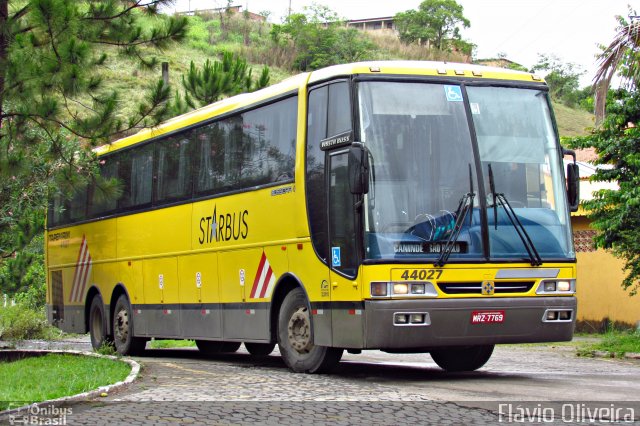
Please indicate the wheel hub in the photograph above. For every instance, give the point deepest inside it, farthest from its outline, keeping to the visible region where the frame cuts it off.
(299, 331)
(122, 326)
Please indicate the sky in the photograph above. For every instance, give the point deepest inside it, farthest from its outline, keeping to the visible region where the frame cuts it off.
(568, 29)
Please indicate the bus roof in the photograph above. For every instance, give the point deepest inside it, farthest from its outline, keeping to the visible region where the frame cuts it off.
(442, 69)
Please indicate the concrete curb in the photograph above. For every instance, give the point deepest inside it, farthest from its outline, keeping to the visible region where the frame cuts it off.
(607, 354)
(135, 370)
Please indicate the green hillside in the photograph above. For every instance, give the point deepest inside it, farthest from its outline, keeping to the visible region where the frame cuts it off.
(572, 122)
(207, 39)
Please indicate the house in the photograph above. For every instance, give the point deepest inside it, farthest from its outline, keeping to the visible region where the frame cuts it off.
(373, 24)
(231, 9)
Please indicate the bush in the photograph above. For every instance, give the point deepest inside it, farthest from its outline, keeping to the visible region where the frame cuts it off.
(20, 322)
(22, 277)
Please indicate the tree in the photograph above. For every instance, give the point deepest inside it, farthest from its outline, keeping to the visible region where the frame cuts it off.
(54, 106)
(615, 213)
(622, 55)
(563, 78)
(216, 79)
(436, 22)
(319, 39)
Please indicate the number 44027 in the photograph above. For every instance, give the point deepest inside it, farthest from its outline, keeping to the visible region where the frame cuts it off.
(422, 274)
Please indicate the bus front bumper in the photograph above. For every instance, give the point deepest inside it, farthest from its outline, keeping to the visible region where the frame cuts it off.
(472, 321)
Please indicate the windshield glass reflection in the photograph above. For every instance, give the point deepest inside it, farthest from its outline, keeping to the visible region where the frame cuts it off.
(422, 167)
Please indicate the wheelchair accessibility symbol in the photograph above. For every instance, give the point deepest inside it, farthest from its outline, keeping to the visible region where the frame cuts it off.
(454, 93)
(335, 256)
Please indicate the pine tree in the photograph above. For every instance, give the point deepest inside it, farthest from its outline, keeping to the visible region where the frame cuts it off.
(53, 105)
(216, 79)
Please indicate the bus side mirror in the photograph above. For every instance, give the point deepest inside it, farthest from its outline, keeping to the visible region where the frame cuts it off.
(573, 181)
(358, 168)
(573, 186)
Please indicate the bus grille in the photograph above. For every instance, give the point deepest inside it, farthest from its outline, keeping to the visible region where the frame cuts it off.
(476, 287)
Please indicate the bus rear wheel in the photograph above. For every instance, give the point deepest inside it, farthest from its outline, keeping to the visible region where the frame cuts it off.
(462, 358)
(210, 347)
(259, 349)
(125, 342)
(98, 324)
(295, 338)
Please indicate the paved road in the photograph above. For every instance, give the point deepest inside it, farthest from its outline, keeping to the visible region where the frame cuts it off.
(373, 387)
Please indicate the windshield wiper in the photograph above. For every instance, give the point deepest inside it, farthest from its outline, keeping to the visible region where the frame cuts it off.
(465, 205)
(499, 198)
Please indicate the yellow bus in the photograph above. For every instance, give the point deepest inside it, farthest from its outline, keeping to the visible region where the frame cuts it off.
(400, 206)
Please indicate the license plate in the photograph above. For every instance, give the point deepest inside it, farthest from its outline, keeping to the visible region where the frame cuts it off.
(487, 317)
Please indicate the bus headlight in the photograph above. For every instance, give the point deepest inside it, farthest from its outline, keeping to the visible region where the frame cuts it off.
(379, 289)
(386, 289)
(417, 288)
(563, 285)
(557, 287)
(400, 288)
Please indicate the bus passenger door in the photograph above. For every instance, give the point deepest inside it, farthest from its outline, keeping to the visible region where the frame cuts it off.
(346, 300)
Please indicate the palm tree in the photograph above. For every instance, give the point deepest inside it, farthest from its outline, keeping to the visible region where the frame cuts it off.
(621, 55)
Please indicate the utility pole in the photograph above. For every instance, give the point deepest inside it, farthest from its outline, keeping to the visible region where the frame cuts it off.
(289, 14)
(165, 73)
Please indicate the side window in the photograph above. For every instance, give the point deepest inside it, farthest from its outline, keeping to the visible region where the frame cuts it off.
(173, 170)
(339, 112)
(78, 204)
(269, 143)
(135, 172)
(56, 210)
(233, 153)
(255, 148)
(210, 143)
(101, 198)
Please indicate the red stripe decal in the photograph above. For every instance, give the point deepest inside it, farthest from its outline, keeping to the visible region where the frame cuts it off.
(265, 286)
(75, 275)
(263, 259)
(82, 270)
(85, 278)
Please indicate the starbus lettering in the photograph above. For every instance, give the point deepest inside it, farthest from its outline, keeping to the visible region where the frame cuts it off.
(224, 227)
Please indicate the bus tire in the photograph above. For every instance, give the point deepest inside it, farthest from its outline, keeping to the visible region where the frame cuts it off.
(98, 324)
(462, 358)
(295, 338)
(123, 329)
(213, 347)
(259, 349)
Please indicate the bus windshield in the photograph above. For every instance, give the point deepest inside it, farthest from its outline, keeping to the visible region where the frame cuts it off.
(423, 178)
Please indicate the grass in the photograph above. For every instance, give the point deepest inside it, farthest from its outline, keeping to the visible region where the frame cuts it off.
(614, 341)
(164, 344)
(572, 122)
(55, 375)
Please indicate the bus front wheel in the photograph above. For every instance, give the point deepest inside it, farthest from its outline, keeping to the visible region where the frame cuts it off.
(98, 324)
(125, 342)
(295, 338)
(462, 358)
